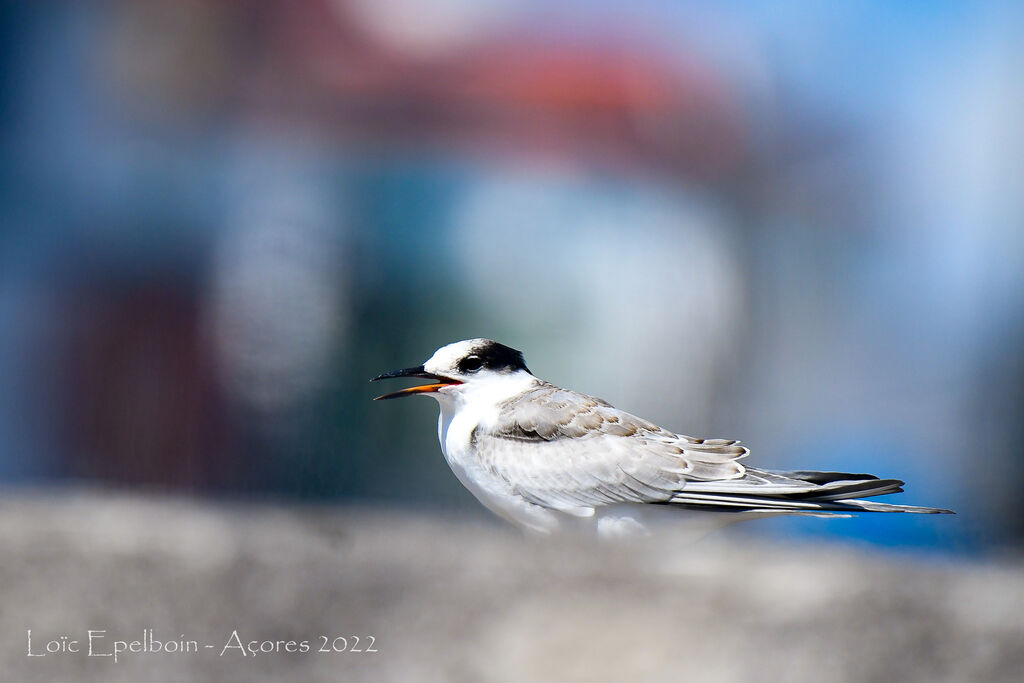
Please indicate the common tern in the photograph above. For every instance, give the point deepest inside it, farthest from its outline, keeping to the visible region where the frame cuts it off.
(547, 458)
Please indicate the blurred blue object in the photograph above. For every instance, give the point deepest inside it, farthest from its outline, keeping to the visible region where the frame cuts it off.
(796, 225)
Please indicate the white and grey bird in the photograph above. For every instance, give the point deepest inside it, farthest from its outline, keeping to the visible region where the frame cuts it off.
(547, 458)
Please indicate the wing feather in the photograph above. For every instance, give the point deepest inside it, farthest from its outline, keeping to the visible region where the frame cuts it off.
(571, 452)
(566, 450)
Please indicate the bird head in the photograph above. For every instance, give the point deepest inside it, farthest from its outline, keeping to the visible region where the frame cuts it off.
(459, 366)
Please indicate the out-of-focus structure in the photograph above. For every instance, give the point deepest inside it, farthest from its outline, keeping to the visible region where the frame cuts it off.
(798, 226)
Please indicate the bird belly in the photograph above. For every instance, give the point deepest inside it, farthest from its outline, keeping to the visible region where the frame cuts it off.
(492, 491)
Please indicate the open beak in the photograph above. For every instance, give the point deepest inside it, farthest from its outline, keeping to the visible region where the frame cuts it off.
(439, 382)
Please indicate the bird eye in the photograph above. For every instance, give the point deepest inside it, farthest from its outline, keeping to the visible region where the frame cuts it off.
(471, 364)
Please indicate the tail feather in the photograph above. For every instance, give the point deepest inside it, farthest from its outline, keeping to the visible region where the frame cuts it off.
(875, 506)
(815, 477)
(799, 492)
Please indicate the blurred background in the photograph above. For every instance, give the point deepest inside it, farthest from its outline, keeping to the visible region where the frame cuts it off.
(796, 224)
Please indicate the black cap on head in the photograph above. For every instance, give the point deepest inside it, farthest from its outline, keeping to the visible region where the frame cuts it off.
(493, 356)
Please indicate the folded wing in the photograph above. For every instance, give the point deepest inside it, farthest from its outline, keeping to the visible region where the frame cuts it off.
(571, 452)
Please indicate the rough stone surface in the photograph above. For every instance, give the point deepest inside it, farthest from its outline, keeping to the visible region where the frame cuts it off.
(451, 600)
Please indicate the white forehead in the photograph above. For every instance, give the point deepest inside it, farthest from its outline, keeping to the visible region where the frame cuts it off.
(446, 357)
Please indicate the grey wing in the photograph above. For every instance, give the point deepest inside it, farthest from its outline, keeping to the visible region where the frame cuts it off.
(572, 452)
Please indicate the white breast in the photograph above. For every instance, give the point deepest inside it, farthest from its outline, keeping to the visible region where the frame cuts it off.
(458, 419)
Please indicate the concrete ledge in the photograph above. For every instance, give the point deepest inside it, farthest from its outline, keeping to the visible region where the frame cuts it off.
(452, 600)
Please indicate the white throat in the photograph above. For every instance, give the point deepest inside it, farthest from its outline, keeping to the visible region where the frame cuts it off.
(475, 403)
